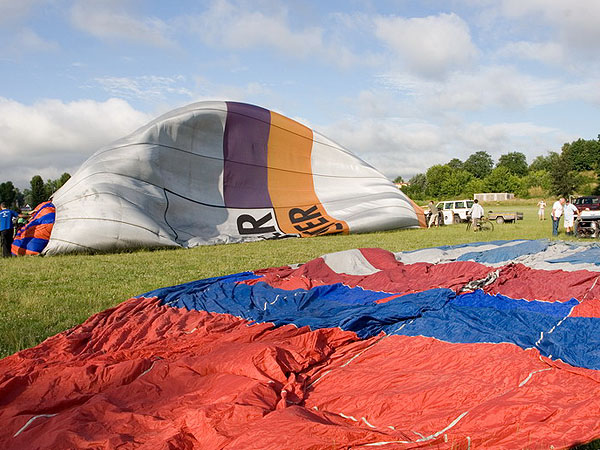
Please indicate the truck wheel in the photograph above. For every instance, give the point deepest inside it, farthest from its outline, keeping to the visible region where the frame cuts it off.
(457, 218)
(500, 219)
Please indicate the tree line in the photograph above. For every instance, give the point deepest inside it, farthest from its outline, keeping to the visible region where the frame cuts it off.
(575, 170)
(38, 192)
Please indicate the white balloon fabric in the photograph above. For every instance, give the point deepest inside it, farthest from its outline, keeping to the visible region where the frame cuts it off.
(221, 172)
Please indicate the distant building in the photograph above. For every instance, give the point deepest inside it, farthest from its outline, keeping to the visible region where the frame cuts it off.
(401, 185)
(494, 196)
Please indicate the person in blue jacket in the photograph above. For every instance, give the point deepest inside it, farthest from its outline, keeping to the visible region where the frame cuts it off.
(6, 228)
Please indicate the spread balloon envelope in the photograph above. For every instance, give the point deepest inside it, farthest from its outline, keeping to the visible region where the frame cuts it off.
(221, 172)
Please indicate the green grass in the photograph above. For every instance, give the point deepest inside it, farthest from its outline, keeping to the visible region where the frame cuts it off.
(42, 296)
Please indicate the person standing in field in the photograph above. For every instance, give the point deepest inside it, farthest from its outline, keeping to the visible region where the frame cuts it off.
(476, 213)
(570, 211)
(542, 209)
(557, 211)
(433, 218)
(6, 228)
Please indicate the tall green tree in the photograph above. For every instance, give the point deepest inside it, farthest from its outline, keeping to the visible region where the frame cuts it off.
(8, 193)
(27, 197)
(436, 176)
(51, 186)
(63, 179)
(582, 154)
(416, 187)
(543, 162)
(38, 191)
(455, 184)
(539, 178)
(564, 179)
(474, 186)
(501, 180)
(20, 199)
(515, 162)
(480, 164)
(456, 164)
(399, 179)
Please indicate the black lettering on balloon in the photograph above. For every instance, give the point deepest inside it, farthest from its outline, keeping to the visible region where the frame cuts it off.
(311, 222)
(310, 225)
(247, 224)
(325, 230)
(301, 215)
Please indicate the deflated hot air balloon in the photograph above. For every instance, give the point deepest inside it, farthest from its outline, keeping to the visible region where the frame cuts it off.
(33, 237)
(220, 172)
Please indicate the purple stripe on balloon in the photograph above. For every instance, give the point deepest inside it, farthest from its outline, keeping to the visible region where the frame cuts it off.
(245, 142)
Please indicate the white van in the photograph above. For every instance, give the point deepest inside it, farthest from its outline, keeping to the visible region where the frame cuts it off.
(455, 211)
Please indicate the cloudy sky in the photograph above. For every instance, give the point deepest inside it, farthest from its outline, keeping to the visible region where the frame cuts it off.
(403, 84)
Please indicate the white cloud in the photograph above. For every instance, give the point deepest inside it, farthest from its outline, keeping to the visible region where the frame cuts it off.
(407, 147)
(372, 104)
(51, 137)
(252, 91)
(28, 41)
(504, 137)
(228, 25)
(490, 87)
(576, 21)
(235, 25)
(393, 146)
(148, 87)
(429, 46)
(108, 20)
(13, 10)
(546, 52)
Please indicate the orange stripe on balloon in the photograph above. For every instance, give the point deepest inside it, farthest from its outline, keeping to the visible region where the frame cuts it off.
(420, 214)
(291, 187)
(41, 231)
(22, 251)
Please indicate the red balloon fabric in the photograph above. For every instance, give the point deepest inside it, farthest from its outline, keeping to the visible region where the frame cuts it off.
(421, 360)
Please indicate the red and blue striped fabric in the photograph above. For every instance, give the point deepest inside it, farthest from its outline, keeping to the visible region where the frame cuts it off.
(470, 346)
(33, 237)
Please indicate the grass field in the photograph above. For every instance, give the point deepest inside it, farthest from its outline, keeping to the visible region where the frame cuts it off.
(41, 296)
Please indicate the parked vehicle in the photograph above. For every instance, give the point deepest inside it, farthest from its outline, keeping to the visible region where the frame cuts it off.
(588, 224)
(502, 217)
(452, 211)
(587, 203)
